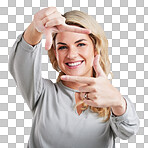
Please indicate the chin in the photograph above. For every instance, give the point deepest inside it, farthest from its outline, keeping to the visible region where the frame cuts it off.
(74, 74)
(80, 72)
(77, 74)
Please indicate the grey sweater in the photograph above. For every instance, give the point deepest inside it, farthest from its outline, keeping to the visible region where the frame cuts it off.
(55, 124)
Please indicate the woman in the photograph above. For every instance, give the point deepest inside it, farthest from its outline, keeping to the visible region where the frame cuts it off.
(78, 49)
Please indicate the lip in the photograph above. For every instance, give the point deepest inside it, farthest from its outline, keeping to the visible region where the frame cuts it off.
(74, 61)
(74, 67)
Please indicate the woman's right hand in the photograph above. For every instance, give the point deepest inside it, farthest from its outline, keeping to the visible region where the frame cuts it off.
(49, 20)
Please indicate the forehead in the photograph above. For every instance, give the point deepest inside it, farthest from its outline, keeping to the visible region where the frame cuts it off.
(70, 37)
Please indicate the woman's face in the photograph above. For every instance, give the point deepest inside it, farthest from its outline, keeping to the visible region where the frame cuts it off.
(74, 53)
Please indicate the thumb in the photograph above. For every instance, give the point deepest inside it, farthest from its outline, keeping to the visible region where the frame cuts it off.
(48, 35)
(97, 67)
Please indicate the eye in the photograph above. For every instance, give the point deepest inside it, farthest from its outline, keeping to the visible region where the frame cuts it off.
(81, 44)
(62, 47)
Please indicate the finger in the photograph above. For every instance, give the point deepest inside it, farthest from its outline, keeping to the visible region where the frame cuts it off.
(51, 16)
(55, 22)
(76, 29)
(79, 79)
(90, 103)
(48, 35)
(92, 95)
(86, 88)
(45, 12)
(97, 67)
(82, 95)
(39, 26)
(39, 17)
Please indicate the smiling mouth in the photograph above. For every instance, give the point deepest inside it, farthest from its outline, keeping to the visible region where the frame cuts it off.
(74, 64)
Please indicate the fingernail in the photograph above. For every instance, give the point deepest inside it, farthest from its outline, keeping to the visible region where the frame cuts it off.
(63, 77)
(98, 57)
(90, 32)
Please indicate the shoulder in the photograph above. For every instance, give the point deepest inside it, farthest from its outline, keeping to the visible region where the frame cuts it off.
(50, 85)
(47, 83)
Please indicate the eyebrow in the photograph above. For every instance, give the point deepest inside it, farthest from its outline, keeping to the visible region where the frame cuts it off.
(74, 42)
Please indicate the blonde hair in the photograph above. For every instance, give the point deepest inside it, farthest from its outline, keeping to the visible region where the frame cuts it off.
(100, 43)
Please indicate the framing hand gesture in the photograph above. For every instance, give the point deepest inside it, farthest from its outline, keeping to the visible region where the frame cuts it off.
(100, 92)
(49, 20)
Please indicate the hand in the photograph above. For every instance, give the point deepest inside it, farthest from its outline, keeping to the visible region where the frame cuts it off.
(100, 91)
(49, 20)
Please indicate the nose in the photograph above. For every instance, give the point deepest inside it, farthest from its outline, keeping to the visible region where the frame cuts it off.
(72, 53)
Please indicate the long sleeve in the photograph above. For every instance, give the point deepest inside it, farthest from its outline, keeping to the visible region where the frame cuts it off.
(126, 125)
(25, 67)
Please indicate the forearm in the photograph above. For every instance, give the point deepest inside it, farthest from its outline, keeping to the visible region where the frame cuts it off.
(127, 124)
(121, 108)
(25, 67)
(32, 36)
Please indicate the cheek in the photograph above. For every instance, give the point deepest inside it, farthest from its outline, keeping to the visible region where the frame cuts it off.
(90, 50)
(90, 58)
(89, 53)
(59, 57)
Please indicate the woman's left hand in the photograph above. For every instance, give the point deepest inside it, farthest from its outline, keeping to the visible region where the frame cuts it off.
(100, 92)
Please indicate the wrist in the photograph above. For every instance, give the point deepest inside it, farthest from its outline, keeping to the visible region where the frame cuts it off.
(120, 108)
(31, 35)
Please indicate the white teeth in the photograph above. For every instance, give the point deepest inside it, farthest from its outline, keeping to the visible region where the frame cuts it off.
(74, 64)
